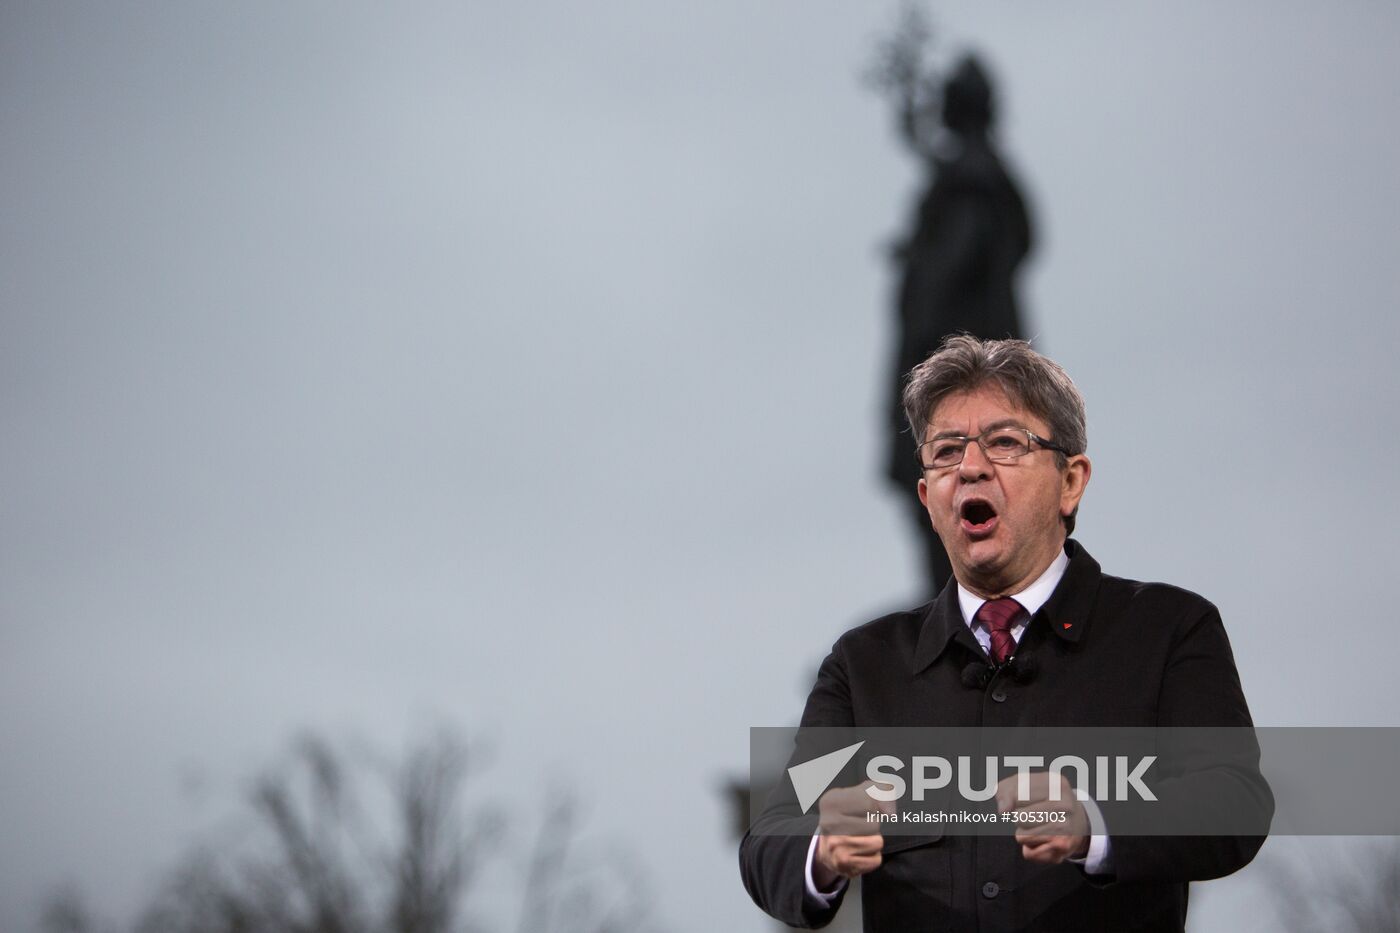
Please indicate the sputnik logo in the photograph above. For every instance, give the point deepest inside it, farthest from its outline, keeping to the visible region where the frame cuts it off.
(811, 778)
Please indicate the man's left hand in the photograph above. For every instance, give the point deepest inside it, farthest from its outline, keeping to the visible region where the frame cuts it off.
(1062, 829)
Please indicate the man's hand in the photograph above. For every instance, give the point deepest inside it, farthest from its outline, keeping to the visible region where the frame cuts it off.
(847, 847)
(1049, 839)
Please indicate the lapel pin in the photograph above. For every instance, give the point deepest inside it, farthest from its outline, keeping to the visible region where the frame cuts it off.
(1066, 624)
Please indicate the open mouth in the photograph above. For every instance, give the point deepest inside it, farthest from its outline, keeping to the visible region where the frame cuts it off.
(977, 516)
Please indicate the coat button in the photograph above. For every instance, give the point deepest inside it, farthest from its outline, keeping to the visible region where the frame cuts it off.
(999, 695)
(991, 889)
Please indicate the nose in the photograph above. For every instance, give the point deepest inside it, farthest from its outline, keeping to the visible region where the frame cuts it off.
(975, 464)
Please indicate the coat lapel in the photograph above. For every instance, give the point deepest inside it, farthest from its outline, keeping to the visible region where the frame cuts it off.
(1066, 612)
(942, 624)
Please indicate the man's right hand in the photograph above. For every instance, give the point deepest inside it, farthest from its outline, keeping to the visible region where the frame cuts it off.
(846, 847)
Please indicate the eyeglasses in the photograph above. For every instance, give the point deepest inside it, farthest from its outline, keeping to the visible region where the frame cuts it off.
(999, 445)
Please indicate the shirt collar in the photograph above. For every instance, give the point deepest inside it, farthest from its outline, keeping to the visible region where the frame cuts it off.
(1031, 598)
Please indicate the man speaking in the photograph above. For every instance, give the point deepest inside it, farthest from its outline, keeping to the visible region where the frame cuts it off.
(1029, 633)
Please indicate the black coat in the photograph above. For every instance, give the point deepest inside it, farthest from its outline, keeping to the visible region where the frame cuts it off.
(1108, 652)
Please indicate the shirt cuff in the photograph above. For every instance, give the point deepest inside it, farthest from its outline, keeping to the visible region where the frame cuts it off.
(824, 898)
(1098, 860)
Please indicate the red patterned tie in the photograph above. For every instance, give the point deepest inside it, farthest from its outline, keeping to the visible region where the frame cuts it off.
(997, 615)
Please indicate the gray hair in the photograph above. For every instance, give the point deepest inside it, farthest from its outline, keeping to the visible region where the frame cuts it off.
(1031, 381)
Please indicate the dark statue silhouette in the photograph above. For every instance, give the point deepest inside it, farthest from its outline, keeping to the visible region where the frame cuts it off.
(958, 264)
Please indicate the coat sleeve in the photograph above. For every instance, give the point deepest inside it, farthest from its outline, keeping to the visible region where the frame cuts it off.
(1201, 688)
(773, 854)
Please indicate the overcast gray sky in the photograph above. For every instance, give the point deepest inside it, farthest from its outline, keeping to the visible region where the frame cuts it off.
(521, 366)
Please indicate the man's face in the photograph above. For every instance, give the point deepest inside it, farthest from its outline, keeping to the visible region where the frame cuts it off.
(1000, 522)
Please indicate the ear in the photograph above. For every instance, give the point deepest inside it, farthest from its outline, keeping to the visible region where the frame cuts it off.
(1074, 478)
(923, 491)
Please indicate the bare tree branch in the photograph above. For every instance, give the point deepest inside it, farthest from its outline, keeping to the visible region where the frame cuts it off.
(318, 863)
